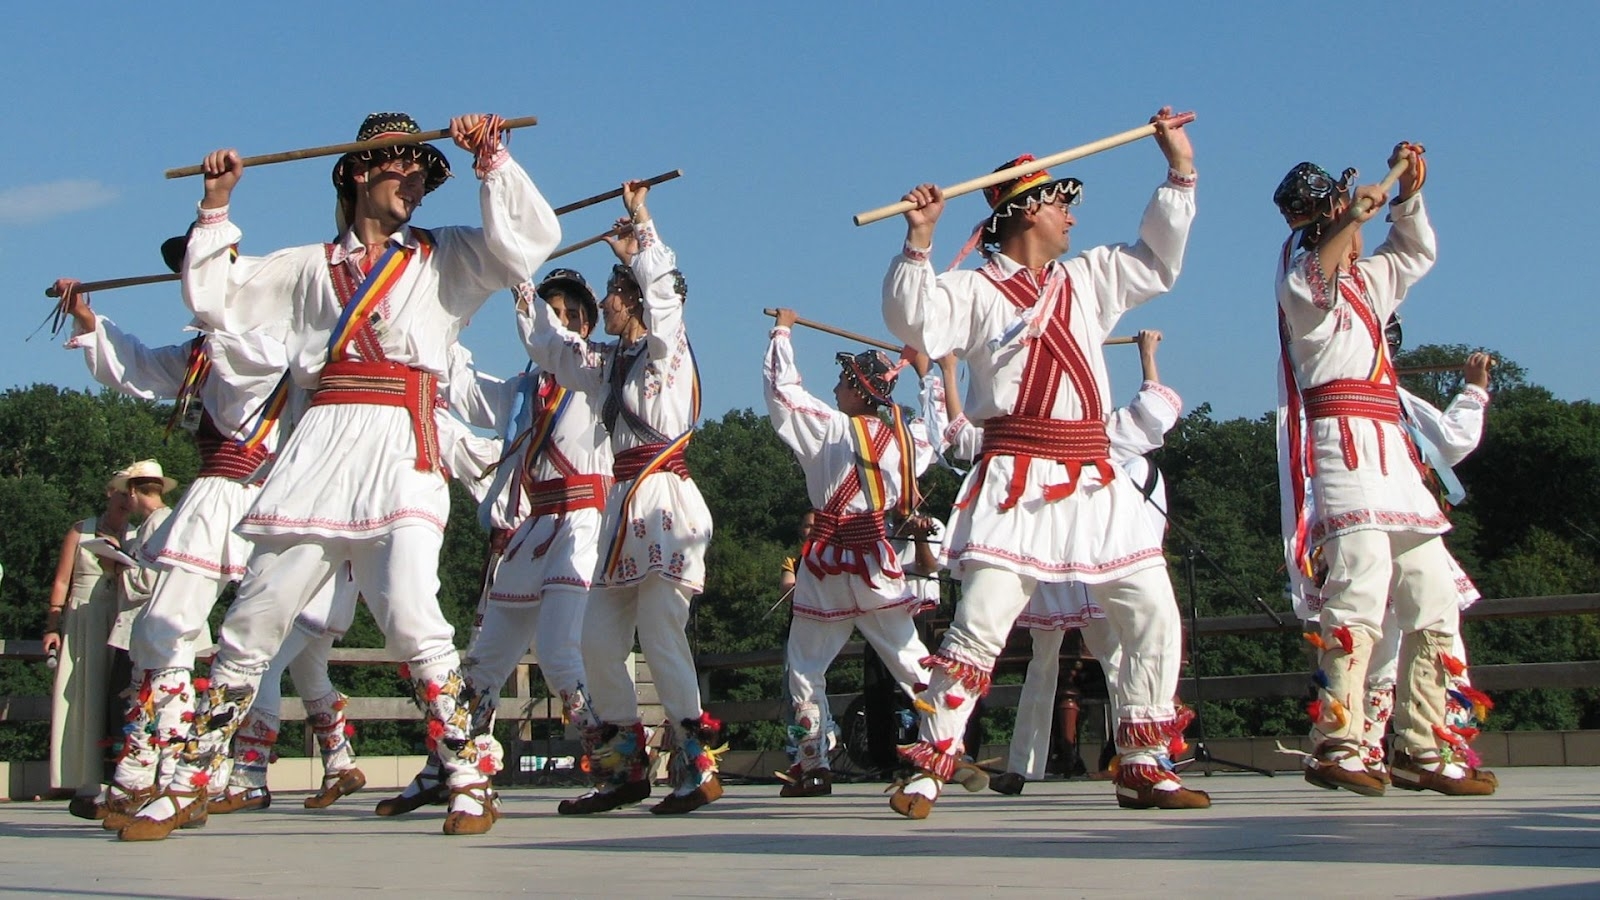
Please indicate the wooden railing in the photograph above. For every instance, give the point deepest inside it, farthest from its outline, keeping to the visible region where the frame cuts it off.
(520, 703)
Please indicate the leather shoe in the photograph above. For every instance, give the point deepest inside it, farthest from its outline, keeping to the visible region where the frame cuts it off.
(1008, 783)
(239, 801)
(606, 799)
(815, 783)
(1410, 775)
(676, 804)
(342, 784)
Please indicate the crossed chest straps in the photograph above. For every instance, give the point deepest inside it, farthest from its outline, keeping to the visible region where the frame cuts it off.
(1029, 431)
(1375, 397)
(571, 489)
(373, 379)
(858, 531)
(658, 452)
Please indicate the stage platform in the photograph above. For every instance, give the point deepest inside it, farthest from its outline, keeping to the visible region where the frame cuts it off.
(1264, 837)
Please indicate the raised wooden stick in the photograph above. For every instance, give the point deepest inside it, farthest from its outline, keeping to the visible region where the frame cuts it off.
(112, 284)
(885, 345)
(1435, 368)
(850, 335)
(1388, 182)
(352, 147)
(586, 242)
(1017, 171)
(614, 193)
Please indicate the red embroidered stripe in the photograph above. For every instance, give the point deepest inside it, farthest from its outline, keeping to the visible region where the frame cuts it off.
(224, 458)
(629, 463)
(387, 384)
(558, 496)
(1057, 439)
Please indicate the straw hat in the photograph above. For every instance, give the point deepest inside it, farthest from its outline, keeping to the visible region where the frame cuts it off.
(143, 469)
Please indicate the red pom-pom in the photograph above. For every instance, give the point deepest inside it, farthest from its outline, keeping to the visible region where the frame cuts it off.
(703, 762)
(953, 700)
(1452, 665)
(341, 703)
(432, 691)
(405, 671)
(1314, 710)
(349, 730)
(486, 764)
(1345, 638)
(1478, 698)
(435, 729)
(943, 746)
(251, 756)
(202, 684)
(200, 779)
(431, 744)
(188, 715)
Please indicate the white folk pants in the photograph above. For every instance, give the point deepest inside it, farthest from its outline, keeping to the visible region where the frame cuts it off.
(658, 611)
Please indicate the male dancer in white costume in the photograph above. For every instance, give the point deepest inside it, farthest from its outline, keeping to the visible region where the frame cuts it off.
(656, 526)
(858, 468)
(371, 317)
(556, 471)
(230, 386)
(1361, 528)
(1043, 504)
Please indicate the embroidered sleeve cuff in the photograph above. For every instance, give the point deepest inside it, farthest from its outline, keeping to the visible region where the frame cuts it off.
(954, 429)
(916, 255)
(496, 159)
(646, 233)
(1157, 389)
(1472, 390)
(778, 331)
(211, 217)
(1182, 181)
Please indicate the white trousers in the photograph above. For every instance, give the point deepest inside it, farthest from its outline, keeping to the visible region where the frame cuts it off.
(657, 610)
(397, 574)
(1385, 665)
(552, 626)
(1367, 572)
(813, 646)
(1143, 615)
(167, 627)
(1036, 709)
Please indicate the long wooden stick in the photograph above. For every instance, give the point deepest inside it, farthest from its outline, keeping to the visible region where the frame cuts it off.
(112, 284)
(851, 335)
(1435, 368)
(352, 147)
(614, 193)
(586, 242)
(1017, 171)
(885, 345)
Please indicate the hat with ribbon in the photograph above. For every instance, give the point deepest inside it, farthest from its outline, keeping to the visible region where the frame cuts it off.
(871, 373)
(390, 124)
(1022, 192)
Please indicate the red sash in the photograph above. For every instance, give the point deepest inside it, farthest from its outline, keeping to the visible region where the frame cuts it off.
(863, 533)
(387, 384)
(559, 496)
(222, 457)
(630, 463)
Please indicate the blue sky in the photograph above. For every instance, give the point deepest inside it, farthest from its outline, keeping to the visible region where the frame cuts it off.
(788, 119)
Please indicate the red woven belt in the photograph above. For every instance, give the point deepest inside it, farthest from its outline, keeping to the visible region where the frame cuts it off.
(1072, 442)
(1346, 397)
(558, 496)
(387, 384)
(629, 463)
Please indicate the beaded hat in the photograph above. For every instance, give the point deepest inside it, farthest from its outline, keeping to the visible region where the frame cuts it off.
(390, 124)
(1019, 193)
(571, 284)
(871, 373)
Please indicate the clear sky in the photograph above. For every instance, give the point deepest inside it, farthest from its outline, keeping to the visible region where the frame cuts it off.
(787, 119)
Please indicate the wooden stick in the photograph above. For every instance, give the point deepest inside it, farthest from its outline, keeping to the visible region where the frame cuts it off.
(586, 242)
(885, 345)
(1121, 339)
(1388, 182)
(614, 193)
(1006, 174)
(851, 335)
(352, 147)
(1434, 369)
(112, 284)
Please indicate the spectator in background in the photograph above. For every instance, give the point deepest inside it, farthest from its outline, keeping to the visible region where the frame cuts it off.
(83, 603)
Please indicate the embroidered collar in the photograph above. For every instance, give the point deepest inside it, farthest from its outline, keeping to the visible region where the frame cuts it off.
(350, 248)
